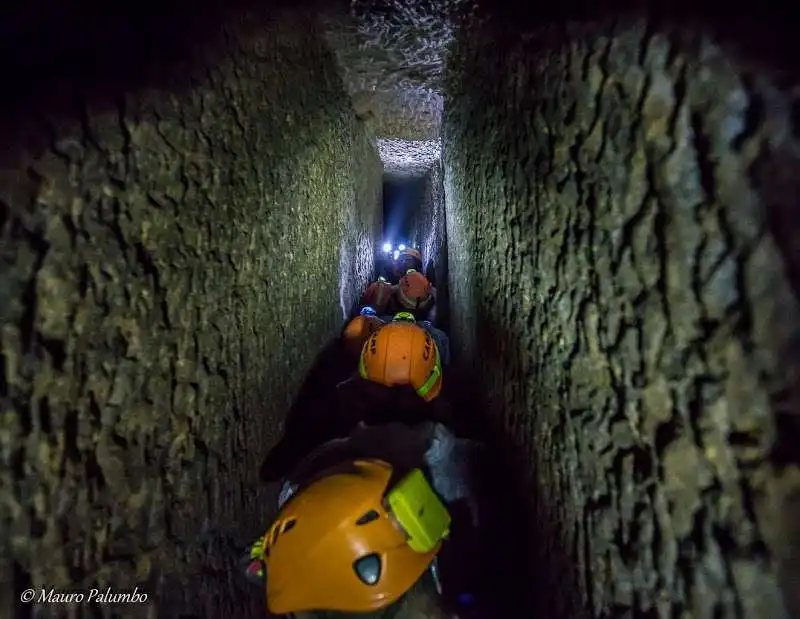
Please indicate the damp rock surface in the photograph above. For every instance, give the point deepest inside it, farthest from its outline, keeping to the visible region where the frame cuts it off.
(172, 260)
(619, 281)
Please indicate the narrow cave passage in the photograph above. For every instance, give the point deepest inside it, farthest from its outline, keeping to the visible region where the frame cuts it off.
(401, 199)
(192, 205)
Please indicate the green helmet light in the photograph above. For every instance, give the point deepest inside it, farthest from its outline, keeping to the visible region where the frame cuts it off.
(404, 317)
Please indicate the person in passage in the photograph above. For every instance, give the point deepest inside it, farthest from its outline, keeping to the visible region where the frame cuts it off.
(414, 293)
(403, 353)
(378, 295)
(358, 330)
(440, 337)
(363, 518)
(398, 378)
(408, 258)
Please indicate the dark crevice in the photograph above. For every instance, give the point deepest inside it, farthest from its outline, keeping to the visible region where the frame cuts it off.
(93, 473)
(660, 223)
(753, 118)
(680, 105)
(787, 429)
(71, 451)
(704, 162)
(667, 433)
(45, 418)
(57, 350)
(21, 581)
(29, 297)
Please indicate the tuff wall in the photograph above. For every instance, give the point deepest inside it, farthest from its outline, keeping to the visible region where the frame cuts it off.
(429, 234)
(179, 238)
(620, 267)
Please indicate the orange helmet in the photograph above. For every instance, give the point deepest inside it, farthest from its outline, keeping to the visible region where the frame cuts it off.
(410, 258)
(378, 294)
(358, 331)
(414, 290)
(403, 353)
(353, 541)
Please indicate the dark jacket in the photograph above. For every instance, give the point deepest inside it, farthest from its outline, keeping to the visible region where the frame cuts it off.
(336, 409)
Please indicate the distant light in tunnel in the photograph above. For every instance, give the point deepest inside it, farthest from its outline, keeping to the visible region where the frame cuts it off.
(387, 247)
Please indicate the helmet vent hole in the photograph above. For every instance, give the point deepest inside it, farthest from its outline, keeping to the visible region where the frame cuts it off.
(289, 525)
(368, 569)
(370, 516)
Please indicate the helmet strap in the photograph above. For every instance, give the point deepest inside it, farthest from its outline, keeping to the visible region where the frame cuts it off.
(436, 373)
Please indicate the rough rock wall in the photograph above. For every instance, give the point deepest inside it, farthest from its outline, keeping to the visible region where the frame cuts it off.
(172, 260)
(430, 236)
(617, 277)
(363, 222)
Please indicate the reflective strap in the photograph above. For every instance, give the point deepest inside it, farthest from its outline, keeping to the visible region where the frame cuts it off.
(362, 366)
(273, 535)
(407, 302)
(278, 528)
(436, 372)
(257, 549)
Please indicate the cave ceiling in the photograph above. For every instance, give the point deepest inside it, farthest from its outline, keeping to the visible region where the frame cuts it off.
(392, 58)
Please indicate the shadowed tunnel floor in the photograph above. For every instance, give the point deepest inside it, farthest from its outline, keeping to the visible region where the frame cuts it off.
(191, 205)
